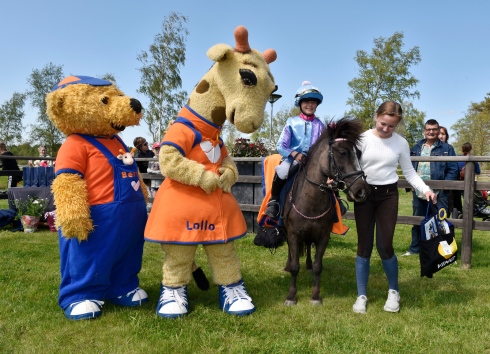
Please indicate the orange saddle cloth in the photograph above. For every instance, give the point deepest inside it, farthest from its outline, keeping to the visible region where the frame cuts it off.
(268, 169)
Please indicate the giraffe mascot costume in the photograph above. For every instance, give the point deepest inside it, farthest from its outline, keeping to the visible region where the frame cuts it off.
(194, 205)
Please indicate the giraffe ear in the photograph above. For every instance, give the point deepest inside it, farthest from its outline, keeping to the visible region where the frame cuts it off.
(219, 52)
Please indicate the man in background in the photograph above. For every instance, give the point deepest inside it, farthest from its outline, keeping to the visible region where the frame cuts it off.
(431, 145)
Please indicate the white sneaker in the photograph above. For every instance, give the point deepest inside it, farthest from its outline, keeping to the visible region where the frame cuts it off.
(393, 302)
(360, 304)
(82, 310)
(234, 299)
(408, 253)
(173, 302)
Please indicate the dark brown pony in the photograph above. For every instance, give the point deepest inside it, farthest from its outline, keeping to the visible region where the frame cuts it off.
(309, 209)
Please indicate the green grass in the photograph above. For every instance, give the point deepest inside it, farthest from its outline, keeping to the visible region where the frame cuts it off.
(447, 314)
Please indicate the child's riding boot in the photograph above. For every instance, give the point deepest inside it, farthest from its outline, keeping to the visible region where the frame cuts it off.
(273, 207)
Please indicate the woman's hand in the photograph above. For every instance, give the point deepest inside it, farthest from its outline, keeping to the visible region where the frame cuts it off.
(431, 195)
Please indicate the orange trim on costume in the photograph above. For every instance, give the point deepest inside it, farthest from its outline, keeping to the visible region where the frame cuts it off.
(68, 80)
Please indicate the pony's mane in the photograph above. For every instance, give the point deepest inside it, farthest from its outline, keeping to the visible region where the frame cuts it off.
(348, 128)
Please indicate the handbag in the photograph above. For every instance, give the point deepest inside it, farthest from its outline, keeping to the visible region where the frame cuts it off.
(270, 237)
(438, 247)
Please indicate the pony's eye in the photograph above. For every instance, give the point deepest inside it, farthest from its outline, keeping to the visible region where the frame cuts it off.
(105, 100)
(343, 152)
(248, 77)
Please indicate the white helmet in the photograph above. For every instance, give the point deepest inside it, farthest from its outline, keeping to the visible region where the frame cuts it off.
(307, 92)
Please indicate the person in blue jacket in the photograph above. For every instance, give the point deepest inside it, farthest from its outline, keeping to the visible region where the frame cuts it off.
(298, 135)
(440, 170)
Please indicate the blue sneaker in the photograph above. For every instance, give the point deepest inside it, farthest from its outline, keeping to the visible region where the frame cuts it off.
(137, 297)
(84, 310)
(173, 302)
(233, 299)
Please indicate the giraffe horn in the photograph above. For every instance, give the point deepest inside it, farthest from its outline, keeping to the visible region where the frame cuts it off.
(269, 55)
(241, 39)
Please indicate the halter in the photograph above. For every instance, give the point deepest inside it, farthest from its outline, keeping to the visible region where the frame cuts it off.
(338, 180)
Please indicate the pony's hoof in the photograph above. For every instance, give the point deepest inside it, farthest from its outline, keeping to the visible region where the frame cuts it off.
(290, 302)
(316, 302)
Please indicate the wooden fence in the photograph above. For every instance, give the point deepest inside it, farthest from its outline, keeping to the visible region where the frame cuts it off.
(249, 194)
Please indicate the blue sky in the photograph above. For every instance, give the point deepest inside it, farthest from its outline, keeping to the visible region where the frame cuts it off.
(314, 40)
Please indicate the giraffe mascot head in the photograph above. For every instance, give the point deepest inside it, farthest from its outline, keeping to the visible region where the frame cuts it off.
(237, 86)
(194, 205)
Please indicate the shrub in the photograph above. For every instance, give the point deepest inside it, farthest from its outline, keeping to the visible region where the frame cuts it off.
(244, 148)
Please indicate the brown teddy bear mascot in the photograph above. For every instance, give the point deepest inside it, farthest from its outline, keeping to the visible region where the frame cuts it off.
(194, 204)
(100, 199)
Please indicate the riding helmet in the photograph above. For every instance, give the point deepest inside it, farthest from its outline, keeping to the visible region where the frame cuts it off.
(307, 92)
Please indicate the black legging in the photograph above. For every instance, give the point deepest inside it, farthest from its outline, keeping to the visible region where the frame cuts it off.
(380, 210)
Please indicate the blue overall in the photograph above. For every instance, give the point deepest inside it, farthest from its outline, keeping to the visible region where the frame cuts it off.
(107, 264)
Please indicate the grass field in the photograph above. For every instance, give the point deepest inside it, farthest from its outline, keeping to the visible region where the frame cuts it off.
(447, 314)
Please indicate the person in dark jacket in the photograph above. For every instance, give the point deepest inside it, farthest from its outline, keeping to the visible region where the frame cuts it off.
(143, 151)
(9, 165)
(440, 170)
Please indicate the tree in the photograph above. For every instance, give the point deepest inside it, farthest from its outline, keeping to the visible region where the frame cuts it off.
(474, 127)
(11, 115)
(278, 123)
(230, 133)
(160, 74)
(383, 75)
(412, 127)
(109, 77)
(41, 82)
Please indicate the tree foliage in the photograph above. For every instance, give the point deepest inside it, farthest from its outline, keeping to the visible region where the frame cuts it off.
(412, 127)
(279, 119)
(41, 82)
(11, 115)
(160, 74)
(383, 75)
(474, 128)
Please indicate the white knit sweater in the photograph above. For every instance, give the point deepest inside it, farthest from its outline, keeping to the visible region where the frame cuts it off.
(381, 157)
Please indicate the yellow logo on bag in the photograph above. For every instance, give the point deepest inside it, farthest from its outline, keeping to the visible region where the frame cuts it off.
(447, 250)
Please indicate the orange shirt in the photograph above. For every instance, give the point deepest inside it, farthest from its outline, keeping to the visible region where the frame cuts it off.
(77, 155)
(185, 214)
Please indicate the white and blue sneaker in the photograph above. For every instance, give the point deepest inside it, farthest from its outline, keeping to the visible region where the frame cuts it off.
(137, 297)
(84, 310)
(233, 299)
(173, 302)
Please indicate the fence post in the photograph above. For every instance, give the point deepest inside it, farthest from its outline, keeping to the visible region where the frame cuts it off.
(467, 238)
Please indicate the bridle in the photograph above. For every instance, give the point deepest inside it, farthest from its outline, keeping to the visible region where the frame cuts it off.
(338, 180)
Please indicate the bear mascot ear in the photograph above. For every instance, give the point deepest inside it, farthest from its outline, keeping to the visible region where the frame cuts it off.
(55, 101)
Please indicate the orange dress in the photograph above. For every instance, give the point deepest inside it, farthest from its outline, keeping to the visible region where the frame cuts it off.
(184, 214)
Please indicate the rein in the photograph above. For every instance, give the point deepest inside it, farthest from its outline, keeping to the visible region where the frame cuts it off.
(296, 209)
